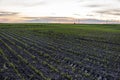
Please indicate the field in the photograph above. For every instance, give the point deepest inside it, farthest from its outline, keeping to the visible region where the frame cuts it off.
(59, 52)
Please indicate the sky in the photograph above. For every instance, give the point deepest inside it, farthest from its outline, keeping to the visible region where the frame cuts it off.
(60, 11)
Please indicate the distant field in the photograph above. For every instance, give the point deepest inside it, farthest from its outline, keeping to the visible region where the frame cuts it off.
(60, 51)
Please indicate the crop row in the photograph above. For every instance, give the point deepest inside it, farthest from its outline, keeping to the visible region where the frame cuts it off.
(49, 59)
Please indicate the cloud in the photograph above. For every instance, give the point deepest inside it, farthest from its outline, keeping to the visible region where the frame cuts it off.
(49, 19)
(89, 15)
(84, 0)
(8, 16)
(77, 14)
(66, 8)
(65, 20)
(22, 3)
(3, 20)
(6, 13)
(97, 21)
(56, 20)
(30, 3)
(27, 4)
(115, 12)
(95, 5)
(92, 21)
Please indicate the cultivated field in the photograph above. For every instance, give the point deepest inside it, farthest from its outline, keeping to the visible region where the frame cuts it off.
(59, 52)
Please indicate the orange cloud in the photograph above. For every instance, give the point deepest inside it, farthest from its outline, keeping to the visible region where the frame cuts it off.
(6, 17)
